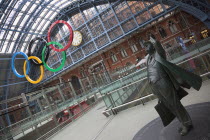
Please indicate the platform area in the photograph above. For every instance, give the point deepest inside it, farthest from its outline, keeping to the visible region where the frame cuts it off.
(126, 125)
(200, 114)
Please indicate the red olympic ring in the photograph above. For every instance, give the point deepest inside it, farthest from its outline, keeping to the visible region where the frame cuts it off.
(70, 36)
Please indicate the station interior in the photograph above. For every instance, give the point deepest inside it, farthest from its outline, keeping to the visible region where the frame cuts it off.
(75, 69)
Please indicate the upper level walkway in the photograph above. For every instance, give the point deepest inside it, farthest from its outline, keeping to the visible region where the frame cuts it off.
(123, 126)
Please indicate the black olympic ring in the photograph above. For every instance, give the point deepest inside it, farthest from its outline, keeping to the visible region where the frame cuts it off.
(30, 47)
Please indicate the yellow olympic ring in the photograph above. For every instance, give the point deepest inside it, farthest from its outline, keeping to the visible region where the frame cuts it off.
(41, 69)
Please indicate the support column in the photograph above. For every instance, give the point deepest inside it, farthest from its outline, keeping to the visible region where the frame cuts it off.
(102, 80)
(3, 124)
(89, 82)
(80, 106)
(70, 114)
(26, 103)
(87, 98)
(47, 101)
(83, 89)
(40, 105)
(204, 63)
(107, 80)
(55, 120)
(29, 112)
(1, 120)
(95, 96)
(110, 100)
(120, 96)
(6, 130)
(72, 88)
(106, 73)
(61, 93)
(49, 105)
(94, 77)
(137, 86)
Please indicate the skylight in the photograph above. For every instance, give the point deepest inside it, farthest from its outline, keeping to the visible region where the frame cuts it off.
(21, 15)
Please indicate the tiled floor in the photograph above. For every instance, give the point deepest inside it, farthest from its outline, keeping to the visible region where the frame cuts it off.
(95, 126)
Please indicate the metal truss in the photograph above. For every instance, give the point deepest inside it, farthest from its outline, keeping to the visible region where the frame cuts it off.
(21, 21)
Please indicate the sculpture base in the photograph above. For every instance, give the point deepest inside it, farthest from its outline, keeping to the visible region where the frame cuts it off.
(200, 114)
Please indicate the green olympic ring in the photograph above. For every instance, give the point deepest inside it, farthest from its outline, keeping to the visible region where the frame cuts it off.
(63, 55)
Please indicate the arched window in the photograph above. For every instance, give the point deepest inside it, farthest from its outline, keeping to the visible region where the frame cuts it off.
(113, 57)
(76, 84)
(134, 48)
(123, 52)
(172, 27)
(162, 32)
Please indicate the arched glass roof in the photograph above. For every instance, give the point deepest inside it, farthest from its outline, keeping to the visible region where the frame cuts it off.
(25, 18)
(101, 23)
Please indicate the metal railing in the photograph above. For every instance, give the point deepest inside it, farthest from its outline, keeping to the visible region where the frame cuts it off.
(114, 109)
(122, 88)
(30, 123)
(66, 123)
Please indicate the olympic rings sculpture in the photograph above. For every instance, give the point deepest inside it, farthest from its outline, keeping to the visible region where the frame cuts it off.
(45, 55)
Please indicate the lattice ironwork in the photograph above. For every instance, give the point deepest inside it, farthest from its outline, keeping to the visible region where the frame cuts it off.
(101, 23)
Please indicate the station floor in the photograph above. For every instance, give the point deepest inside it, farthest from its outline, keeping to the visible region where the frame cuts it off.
(95, 126)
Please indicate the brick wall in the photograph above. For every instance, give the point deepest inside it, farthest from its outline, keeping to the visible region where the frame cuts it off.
(193, 25)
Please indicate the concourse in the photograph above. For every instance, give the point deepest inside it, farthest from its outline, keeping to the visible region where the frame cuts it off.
(104, 69)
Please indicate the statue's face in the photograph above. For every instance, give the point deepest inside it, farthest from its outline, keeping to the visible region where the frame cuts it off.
(150, 48)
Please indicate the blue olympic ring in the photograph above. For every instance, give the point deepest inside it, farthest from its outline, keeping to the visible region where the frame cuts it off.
(13, 67)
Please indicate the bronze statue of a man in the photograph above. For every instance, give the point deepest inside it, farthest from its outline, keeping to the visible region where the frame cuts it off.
(166, 81)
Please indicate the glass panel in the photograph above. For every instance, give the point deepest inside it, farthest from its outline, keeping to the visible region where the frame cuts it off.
(53, 58)
(77, 55)
(108, 19)
(86, 36)
(96, 27)
(45, 26)
(148, 3)
(101, 41)
(44, 12)
(24, 20)
(167, 6)
(89, 48)
(68, 61)
(102, 7)
(156, 10)
(142, 17)
(40, 26)
(115, 33)
(11, 47)
(136, 6)
(129, 25)
(77, 20)
(89, 13)
(122, 11)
